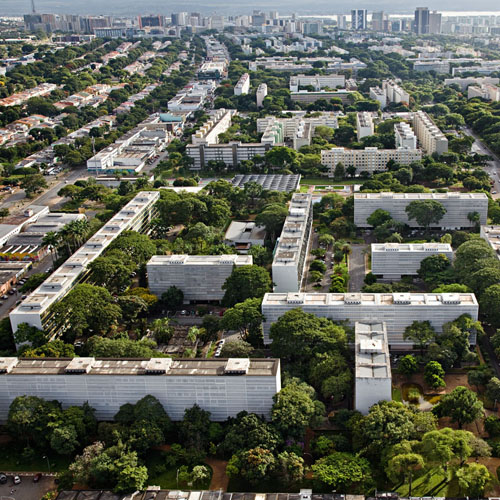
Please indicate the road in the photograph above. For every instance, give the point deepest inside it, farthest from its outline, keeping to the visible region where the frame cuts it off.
(492, 167)
(27, 490)
(357, 268)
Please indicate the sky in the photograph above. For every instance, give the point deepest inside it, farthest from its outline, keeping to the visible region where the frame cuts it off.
(133, 7)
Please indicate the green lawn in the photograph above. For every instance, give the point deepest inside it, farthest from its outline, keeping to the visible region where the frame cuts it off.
(11, 460)
(432, 483)
(167, 479)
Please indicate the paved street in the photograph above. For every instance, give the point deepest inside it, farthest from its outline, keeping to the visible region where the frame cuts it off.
(27, 490)
(357, 267)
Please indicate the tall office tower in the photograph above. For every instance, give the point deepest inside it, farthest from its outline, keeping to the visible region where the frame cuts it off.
(179, 18)
(274, 14)
(150, 21)
(358, 19)
(435, 22)
(421, 23)
(258, 18)
(378, 21)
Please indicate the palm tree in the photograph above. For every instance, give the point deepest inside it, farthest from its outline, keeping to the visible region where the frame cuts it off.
(346, 250)
(52, 240)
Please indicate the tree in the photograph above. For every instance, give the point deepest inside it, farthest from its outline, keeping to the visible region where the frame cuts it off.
(29, 334)
(64, 440)
(245, 317)
(425, 212)
(200, 473)
(173, 297)
(193, 428)
(479, 376)
(342, 471)
(421, 333)
(490, 304)
(318, 265)
(272, 218)
(408, 365)
(461, 405)
(236, 349)
(4, 212)
(138, 246)
(473, 479)
(245, 282)
(297, 336)
(432, 267)
(379, 217)
(294, 409)
(110, 272)
(433, 375)
(404, 465)
(493, 389)
(33, 184)
(289, 468)
(254, 465)
(161, 330)
(339, 172)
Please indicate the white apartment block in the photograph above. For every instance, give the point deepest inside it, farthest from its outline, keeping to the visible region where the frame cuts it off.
(224, 387)
(291, 250)
(404, 136)
(377, 94)
(364, 125)
(431, 139)
(317, 81)
(394, 92)
(464, 82)
(35, 309)
(423, 65)
(492, 235)
(243, 85)
(458, 206)
(219, 122)
(200, 277)
(372, 371)
(397, 310)
(393, 260)
(369, 159)
(261, 94)
(485, 91)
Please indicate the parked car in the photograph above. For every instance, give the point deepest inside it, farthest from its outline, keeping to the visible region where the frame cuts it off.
(3, 478)
(5, 297)
(16, 479)
(37, 477)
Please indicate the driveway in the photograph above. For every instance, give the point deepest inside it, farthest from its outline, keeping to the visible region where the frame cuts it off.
(27, 490)
(357, 267)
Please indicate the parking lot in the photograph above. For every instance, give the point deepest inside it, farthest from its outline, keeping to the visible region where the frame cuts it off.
(27, 490)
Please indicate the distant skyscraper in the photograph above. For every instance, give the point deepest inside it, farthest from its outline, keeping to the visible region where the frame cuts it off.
(378, 21)
(274, 14)
(342, 21)
(435, 22)
(421, 25)
(150, 21)
(179, 19)
(358, 19)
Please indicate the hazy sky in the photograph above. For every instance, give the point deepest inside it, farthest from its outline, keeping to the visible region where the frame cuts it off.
(126, 7)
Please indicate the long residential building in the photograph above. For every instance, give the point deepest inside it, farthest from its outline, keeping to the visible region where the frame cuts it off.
(291, 250)
(224, 387)
(22, 97)
(492, 235)
(372, 371)
(464, 82)
(200, 277)
(486, 91)
(404, 136)
(243, 85)
(369, 159)
(219, 122)
(393, 260)
(308, 97)
(431, 139)
(35, 309)
(397, 310)
(317, 81)
(458, 206)
(394, 92)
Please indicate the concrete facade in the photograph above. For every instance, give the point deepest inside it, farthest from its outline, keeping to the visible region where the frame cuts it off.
(404, 136)
(492, 235)
(397, 310)
(457, 205)
(364, 125)
(431, 139)
(317, 81)
(224, 387)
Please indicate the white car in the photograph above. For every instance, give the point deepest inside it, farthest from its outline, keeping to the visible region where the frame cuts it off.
(17, 479)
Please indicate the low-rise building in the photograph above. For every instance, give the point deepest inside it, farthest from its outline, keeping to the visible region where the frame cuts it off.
(393, 260)
(458, 207)
(397, 310)
(367, 160)
(492, 235)
(224, 387)
(364, 125)
(372, 372)
(317, 81)
(243, 85)
(291, 250)
(269, 182)
(431, 139)
(464, 82)
(485, 91)
(404, 136)
(437, 65)
(200, 277)
(243, 235)
(10, 273)
(309, 97)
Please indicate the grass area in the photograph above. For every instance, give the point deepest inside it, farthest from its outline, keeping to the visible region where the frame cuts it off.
(304, 188)
(431, 483)
(396, 394)
(11, 460)
(166, 477)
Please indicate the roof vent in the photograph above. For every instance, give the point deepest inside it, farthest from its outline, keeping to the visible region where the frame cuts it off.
(158, 366)
(79, 365)
(237, 366)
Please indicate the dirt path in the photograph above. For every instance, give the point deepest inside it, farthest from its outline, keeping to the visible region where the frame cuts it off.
(219, 481)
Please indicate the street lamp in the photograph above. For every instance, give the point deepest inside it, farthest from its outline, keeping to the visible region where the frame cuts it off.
(48, 462)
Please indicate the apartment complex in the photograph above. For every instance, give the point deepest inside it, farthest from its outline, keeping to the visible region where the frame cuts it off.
(377, 94)
(243, 85)
(458, 206)
(367, 160)
(437, 65)
(492, 235)
(219, 122)
(224, 387)
(35, 309)
(431, 139)
(464, 82)
(404, 136)
(318, 82)
(308, 97)
(291, 250)
(397, 310)
(364, 125)
(393, 260)
(372, 370)
(200, 277)
(394, 92)
(486, 91)
(261, 95)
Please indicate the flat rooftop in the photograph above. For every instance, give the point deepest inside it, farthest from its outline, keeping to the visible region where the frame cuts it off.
(135, 366)
(200, 260)
(420, 196)
(412, 247)
(270, 182)
(371, 351)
